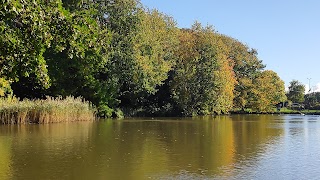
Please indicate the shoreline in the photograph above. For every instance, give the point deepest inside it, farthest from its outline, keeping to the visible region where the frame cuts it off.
(286, 113)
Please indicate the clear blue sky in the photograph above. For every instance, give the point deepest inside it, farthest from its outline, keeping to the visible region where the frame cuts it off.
(286, 33)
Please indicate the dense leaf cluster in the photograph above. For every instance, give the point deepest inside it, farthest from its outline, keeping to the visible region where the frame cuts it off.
(123, 57)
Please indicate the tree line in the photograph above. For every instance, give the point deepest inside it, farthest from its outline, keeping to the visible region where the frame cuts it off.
(297, 94)
(126, 58)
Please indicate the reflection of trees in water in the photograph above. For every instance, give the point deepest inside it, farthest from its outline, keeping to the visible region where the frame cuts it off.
(197, 146)
(137, 148)
(252, 132)
(48, 150)
(253, 135)
(5, 154)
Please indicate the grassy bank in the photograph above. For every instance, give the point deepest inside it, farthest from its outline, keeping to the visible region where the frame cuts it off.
(282, 111)
(304, 111)
(51, 110)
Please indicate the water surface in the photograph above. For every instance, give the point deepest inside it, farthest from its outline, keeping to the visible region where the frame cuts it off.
(222, 147)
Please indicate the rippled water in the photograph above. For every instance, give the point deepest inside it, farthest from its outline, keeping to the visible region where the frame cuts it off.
(224, 147)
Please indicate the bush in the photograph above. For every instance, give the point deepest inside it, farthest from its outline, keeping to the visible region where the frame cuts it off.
(105, 111)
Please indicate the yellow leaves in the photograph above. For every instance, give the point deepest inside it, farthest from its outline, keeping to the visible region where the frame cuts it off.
(5, 87)
(204, 78)
(268, 90)
(227, 80)
(188, 53)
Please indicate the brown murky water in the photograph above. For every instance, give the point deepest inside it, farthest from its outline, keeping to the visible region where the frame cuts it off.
(224, 147)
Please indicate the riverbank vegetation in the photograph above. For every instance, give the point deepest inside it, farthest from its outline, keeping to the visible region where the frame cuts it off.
(297, 111)
(125, 58)
(50, 110)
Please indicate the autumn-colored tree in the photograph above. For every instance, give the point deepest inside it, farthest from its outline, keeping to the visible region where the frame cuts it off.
(203, 81)
(225, 75)
(117, 54)
(246, 67)
(184, 72)
(268, 91)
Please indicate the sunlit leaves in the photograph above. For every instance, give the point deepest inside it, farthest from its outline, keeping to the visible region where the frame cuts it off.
(196, 84)
(246, 66)
(268, 91)
(119, 55)
(154, 45)
(24, 38)
(5, 88)
(226, 77)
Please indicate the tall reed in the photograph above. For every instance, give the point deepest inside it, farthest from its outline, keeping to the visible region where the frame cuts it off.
(50, 110)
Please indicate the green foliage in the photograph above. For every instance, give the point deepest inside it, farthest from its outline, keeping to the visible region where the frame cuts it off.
(79, 55)
(154, 49)
(122, 19)
(105, 111)
(296, 92)
(118, 114)
(24, 36)
(124, 58)
(194, 84)
(312, 100)
(5, 88)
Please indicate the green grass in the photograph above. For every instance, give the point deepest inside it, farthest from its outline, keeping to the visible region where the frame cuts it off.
(306, 111)
(51, 110)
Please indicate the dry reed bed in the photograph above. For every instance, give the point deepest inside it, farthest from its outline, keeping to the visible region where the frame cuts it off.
(51, 110)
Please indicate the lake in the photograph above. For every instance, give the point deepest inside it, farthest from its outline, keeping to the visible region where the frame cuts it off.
(222, 147)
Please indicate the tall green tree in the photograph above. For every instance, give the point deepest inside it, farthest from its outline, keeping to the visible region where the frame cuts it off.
(24, 37)
(296, 92)
(155, 44)
(79, 54)
(141, 50)
(121, 17)
(185, 85)
(57, 45)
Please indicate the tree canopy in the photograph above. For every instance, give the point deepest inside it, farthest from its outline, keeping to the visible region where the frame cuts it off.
(296, 92)
(268, 91)
(124, 57)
